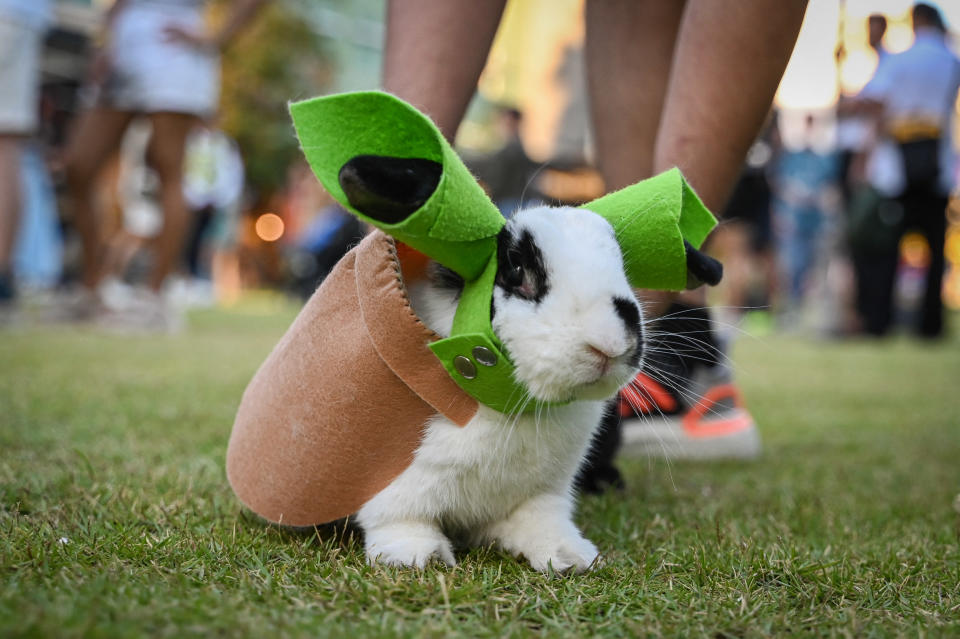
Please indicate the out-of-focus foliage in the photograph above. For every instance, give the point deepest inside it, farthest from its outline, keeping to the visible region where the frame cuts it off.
(277, 58)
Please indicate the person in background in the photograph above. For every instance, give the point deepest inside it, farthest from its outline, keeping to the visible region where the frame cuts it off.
(876, 29)
(871, 180)
(805, 183)
(685, 84)
(744, 241)
(914, 95)
(213, 187)
(158, 60)
(22, 27)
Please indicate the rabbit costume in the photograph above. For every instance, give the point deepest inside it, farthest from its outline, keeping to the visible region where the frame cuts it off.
(338, 409)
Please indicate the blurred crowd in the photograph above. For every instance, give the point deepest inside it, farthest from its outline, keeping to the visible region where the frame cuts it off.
(124, 201)
(128, 199)
(849, 220)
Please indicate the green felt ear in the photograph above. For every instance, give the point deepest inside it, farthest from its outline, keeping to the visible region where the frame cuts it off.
(388, 164)
(652, 219)
(456, 225)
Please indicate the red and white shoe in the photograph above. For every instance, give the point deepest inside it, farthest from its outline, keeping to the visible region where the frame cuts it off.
(707, 420)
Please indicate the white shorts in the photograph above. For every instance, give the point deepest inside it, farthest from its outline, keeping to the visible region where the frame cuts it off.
(150, 74)
(20, 47)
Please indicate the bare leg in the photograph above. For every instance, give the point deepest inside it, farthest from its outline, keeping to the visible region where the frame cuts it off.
(166, 154)
(10, 200)
(722, 72)
(435, 51)
(729, 60)
(629, 51)
(97, 135)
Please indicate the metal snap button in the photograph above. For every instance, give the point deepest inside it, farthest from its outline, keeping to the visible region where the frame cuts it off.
(484, 356)
(465, 367)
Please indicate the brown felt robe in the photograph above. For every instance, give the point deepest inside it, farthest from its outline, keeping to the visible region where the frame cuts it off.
(336, 411)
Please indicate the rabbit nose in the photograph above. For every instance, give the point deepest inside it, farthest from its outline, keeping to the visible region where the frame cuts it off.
(606, 351)
(600, 353)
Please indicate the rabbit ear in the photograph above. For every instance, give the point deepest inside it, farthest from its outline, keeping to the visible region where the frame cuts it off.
(388, 189)
(657, 223)
(388, 163)
(701, 268)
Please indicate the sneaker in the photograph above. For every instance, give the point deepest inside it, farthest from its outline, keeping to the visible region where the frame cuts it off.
(658, 421)
(140, 310)
(76, 304)
(684, 405)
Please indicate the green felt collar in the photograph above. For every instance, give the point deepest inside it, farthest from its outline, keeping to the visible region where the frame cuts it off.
(458, 224)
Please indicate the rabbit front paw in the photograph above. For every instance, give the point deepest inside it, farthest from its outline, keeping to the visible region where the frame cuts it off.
(408, 544)
(572, 554)
(542, 531)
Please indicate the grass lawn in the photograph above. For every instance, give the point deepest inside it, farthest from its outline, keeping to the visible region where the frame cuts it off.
(116, 519)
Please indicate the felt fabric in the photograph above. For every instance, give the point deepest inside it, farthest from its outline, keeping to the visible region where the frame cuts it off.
(457, 225)
(651, 219)
(335, 412)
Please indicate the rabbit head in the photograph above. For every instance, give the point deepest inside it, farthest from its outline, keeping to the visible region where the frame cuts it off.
(562, 305)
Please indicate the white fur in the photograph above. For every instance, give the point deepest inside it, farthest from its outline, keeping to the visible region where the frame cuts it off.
(507, 479)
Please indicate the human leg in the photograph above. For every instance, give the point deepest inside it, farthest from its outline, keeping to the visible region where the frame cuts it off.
(726, 69)
(20, 47)
(714, 104)
(930, 207)
(629, 50)
(10, 205)
(10, 148)
(435, 51)
(95, 137)
(629, 47)
(166, 155)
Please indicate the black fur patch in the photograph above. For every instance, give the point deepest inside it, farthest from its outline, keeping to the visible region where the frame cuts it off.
(630, 314)
(684, 341)
(444, 278)
(388, 189)
(701, 268)
(520, 269)
(628, 311)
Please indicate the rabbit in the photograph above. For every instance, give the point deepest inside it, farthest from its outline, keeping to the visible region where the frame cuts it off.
(442, 455)
(565, 312)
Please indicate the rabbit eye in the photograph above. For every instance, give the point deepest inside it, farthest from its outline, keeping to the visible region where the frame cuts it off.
(520, 271)
(514, 274)
(510, 269)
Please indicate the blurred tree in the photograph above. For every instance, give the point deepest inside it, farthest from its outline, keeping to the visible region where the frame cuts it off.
(278, 58)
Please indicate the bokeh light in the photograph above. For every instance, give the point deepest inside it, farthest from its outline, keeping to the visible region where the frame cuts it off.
(915, 251)
(269, 227)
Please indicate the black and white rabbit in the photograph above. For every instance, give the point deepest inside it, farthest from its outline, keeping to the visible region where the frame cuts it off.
(566, 314)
